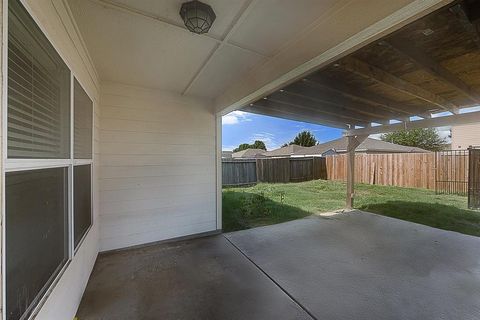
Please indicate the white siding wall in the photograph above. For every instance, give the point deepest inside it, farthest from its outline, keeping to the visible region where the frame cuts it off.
(54, 17)
(465, 136)
(157, 166)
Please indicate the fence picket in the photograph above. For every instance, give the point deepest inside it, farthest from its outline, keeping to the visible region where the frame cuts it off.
(445, 172)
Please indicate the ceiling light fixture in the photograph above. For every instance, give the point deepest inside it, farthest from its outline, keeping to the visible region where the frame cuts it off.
(197, 16)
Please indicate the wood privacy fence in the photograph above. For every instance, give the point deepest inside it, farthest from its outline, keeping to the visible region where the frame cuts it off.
(239, 172)
(279, 170)
(445, 172)
(291, 169)
(413, 170)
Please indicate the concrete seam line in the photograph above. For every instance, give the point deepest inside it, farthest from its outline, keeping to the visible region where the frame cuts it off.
(273, 280)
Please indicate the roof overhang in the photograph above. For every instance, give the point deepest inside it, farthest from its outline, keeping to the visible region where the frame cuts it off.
(425, 74)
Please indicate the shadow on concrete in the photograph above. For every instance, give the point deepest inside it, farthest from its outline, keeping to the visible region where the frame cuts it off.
(435, 215)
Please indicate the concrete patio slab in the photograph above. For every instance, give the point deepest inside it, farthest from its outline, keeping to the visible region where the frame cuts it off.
(205, 278)
(363, 266)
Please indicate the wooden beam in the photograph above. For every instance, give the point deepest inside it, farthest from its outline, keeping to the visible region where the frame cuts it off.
(353, 143)
(292, 116)
(375, 100)
(459, 11)
(453, 120)
(305, 109)
(380, 76)
(310, 91)
(323, 107)
(410, 52)
(336, 105)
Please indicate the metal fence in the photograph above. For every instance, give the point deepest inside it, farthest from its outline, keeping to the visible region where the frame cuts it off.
(474, 179)
(451, 172)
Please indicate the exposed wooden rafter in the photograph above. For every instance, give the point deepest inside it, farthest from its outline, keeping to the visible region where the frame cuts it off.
(284, 104)
(380, 76)
(428, 64)
(460, 12)
(293, 116)
(400, 111)
(340, 104)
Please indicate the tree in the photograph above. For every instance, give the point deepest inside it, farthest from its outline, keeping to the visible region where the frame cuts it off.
(304, 139)
(243, 146)
(427, 139)
(259, 145)
(256, 145)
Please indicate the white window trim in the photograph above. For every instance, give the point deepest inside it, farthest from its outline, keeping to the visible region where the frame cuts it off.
(15, 165)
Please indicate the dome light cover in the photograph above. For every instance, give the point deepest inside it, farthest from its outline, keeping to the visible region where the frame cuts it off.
(197, 16)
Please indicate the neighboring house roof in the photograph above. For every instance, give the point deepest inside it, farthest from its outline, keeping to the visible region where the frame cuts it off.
(227, 154)
(369, 145)
(284, 151)
(249, 153)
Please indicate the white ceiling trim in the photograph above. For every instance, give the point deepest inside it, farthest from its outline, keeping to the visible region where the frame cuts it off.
(127, 9)
(410, 12)
(237, 21)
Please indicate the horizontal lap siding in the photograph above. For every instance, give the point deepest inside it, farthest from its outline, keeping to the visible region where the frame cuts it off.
(157, 166)
(465, 136)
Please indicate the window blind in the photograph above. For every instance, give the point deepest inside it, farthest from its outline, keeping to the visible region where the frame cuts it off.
(38, 92)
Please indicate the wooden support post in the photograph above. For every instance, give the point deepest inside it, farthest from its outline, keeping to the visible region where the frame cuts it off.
(353, 143)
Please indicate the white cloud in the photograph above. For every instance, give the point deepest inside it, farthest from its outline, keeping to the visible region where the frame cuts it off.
(268, 138)
(235, 117)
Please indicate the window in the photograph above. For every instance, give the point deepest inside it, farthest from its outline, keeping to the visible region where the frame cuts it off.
(82, 191)
(83, 107)
(48, 165)
(82, 201)
(36, 236)
(38, 92)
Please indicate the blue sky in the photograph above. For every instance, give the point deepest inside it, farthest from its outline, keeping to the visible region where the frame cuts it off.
(242, 127)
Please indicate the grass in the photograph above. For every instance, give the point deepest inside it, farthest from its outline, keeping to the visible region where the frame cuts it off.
(265, 204)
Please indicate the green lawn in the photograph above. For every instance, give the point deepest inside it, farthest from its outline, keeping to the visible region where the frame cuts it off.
(266, 204)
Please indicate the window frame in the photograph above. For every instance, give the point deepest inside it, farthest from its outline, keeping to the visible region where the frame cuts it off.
(13, 165)
(79, 162)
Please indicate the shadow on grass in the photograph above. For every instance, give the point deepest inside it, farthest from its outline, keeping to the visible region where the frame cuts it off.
(431, 214)
(244, 210)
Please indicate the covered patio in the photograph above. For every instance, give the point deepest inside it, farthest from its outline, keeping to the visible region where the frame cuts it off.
(352, 265)
(111, 157)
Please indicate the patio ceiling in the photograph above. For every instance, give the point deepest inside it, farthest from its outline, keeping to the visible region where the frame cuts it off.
(429, 66)
(144, 43)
